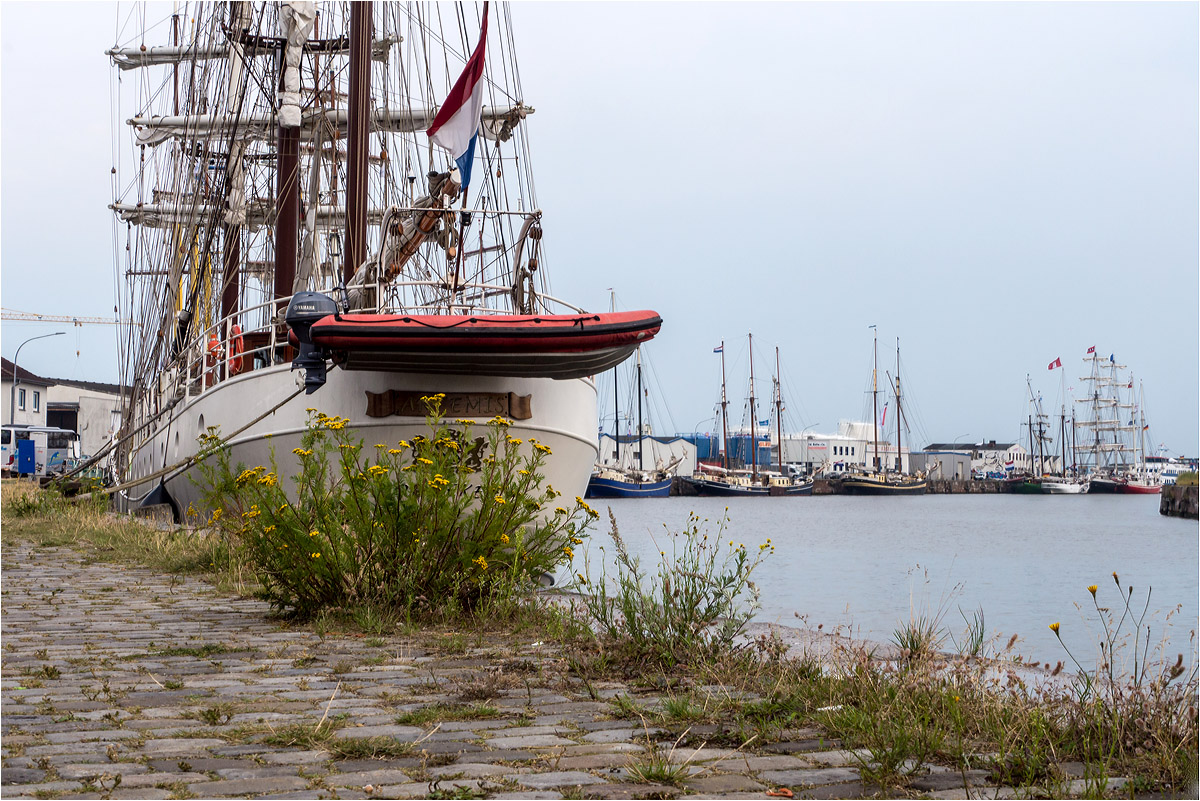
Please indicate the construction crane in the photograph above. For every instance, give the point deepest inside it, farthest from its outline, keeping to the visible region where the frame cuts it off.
(32, 317)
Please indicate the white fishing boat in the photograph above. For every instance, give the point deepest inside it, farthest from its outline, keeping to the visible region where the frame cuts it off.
(330, 206)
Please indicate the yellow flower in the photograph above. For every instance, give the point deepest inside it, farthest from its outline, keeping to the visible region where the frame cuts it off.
(423, 460)
(498, 500)
(523, 472)
(378, 470)
(395, 451)
(403, 443)
(216, 515)
(316, 555)
(504, 538)
(313, 533)
(582, 578)
(1054, 628)
(1092, 589)
(269, 480)
(479, 560)
(568, 552)
(560, 511)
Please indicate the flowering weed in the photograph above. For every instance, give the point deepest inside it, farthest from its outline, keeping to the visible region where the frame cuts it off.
(439, 524)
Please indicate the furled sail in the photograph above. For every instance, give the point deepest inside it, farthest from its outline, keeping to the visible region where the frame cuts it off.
(498, 123)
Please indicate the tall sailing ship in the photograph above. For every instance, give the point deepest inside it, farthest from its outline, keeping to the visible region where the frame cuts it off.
(336, 200)
(725, 481)
(883, 479)
(1111, 436)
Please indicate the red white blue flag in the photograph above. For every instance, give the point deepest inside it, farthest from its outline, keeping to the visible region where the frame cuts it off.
(456, 126)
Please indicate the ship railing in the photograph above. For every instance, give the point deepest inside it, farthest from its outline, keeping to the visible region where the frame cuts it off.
(206, 366)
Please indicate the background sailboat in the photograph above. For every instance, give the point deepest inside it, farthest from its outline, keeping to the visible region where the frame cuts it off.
(631, 474)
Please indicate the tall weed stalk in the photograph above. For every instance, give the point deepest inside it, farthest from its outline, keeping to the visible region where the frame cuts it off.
(697, 602)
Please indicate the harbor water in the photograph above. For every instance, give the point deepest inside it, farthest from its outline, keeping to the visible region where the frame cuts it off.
(864, 565)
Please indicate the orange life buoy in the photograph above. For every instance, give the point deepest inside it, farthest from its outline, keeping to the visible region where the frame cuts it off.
(214, 350)
(235, 350)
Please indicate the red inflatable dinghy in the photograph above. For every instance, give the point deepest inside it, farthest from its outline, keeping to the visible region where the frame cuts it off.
(547, 345)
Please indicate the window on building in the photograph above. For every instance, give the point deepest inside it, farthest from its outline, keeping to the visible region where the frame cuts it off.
(852, 450)
(37, 401)
(21, 399)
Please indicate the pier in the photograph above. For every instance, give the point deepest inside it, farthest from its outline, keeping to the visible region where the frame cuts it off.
(1179, 500)
(939, 486)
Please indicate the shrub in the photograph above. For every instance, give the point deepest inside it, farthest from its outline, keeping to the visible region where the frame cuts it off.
(437, 524)
(693, 606)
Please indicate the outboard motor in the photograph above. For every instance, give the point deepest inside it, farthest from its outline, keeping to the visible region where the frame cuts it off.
(305, 309)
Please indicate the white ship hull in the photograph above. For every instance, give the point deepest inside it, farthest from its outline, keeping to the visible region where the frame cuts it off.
(1051, 486)
(563, 417)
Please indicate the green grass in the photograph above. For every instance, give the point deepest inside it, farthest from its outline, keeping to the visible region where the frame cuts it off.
(443, 713)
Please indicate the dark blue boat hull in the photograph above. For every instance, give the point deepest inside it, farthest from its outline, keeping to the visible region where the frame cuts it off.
(610, 488)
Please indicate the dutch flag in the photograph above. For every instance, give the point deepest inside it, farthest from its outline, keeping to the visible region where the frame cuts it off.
(456, 126)
(719, 349)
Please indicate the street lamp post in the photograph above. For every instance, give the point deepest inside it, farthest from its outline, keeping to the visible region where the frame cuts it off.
(12, 397)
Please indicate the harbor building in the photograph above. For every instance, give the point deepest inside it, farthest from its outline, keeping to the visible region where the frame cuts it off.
(851, 448)
(24, 395)
(988, 459)
(90, 409)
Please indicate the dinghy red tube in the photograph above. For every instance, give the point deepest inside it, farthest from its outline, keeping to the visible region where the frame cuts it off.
(558, 346)
(502, 333)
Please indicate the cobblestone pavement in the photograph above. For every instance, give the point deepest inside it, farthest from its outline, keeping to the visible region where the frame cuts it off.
(121, 683)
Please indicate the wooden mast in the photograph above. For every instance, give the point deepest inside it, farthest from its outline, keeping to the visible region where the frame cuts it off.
(641, 466)
(724, 411)
(356, 146)
(616, 403)
(899, 413)
(875, 397)
(753, 414)
(779, 408)
(287, 185)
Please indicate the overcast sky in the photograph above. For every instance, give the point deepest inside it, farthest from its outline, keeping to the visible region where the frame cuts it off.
(995, 184)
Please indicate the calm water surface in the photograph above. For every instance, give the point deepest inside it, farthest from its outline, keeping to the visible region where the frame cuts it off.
(864, 563)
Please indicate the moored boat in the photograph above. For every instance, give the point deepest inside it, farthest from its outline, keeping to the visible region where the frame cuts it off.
(723, 482)
(883, 484)
(1064, 485)
(612, 483)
